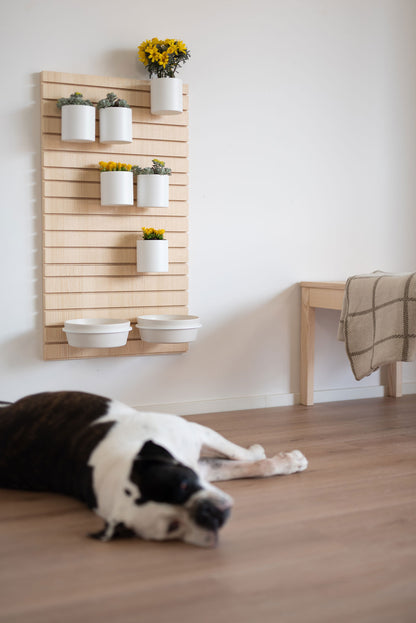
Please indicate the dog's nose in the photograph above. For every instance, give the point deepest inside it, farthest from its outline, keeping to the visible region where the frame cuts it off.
(208, 515)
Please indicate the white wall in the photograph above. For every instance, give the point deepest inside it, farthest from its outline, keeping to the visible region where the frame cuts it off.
(303, 144)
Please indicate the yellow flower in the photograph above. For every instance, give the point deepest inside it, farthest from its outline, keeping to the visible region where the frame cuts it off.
(163, 59)
(143, 57)
(181, 46)
(152, 53)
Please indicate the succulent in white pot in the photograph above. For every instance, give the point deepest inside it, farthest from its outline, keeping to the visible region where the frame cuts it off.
(77, 119)
(115, 120)
(153, 185)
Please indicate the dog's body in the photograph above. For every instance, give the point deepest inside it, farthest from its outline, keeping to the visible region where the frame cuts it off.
(141, 472)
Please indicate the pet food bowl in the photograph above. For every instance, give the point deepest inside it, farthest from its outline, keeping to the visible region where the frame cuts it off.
(96, 332)
(168, 329)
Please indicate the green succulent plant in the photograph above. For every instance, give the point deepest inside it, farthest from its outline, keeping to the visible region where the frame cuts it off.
(158, 168)
(112, 101)
(75, 98)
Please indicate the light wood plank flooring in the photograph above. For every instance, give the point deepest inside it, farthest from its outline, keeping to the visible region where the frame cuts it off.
(336, 543)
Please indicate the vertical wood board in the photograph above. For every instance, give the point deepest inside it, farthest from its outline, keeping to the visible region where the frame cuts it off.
(89, 259)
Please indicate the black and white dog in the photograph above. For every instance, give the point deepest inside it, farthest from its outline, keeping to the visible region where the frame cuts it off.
(141, 472)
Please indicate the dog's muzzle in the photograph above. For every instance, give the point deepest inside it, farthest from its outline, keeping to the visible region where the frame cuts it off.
(210, 516)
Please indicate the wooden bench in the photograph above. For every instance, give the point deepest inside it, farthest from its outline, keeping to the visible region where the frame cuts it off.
(327, 295)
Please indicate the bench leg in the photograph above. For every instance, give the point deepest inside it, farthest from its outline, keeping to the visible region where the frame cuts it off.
(307, 347)
(394, 379)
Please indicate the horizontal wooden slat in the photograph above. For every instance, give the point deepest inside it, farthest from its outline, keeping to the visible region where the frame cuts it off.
(104, 81)
(139, 283)
(52, 125)
(134, 347)
(109, 256)
(58, 317)
(139, 115)
(135, 97)
(114, 299)
(90, 190)
(93, 175)
(75, 160)
(113, 270)
(104, 239)
(63, 205)
(114, 223)
(152, 149)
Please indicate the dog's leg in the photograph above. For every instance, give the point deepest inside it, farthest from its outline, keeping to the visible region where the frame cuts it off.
(284, 463)
(220, 446)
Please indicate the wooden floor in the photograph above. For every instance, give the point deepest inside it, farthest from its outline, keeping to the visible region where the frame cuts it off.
(336, 543)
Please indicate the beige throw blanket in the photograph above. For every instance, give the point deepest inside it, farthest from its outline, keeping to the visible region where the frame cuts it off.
(378, 320)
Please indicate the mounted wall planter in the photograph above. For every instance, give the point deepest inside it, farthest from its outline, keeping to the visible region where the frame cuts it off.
(153, 191)
(115, 125)
(96, 332)
(78, 123)
(168, 329)
(116, 188)
(166, 96)
(152, 256)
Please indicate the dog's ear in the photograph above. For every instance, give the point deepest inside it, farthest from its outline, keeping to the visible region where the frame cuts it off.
(146, 467)
(161, 478)
(151, 451)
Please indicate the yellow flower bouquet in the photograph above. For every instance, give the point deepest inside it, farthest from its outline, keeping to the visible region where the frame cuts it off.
(152, 234)
(163, 57)
(114, 166)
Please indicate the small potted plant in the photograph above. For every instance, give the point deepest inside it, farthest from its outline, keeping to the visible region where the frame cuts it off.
(116, 182)
(153, 185)
(152, 251)
(115, 120)
(77, 119)
(162, 59)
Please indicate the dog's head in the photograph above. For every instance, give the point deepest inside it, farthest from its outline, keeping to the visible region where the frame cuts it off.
(163, 499)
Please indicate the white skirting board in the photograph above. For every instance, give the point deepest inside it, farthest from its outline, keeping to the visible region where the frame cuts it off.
(241, 403)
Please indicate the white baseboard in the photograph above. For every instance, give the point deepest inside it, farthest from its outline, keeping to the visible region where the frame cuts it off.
(270, 400)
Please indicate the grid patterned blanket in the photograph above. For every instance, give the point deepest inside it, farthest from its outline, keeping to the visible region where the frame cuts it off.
(378, 320)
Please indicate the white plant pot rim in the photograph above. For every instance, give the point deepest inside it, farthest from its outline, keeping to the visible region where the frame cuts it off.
(96, 325)
(168, 321)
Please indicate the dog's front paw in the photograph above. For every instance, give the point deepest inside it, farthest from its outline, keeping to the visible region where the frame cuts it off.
(298, 461)
(257, 452)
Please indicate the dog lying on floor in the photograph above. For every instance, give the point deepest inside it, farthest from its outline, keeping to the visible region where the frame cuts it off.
(141, 472)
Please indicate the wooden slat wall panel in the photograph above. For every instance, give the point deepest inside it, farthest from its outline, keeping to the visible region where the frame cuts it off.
(89, 250)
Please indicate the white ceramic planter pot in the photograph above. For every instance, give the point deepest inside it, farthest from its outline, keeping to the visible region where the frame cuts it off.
(96, 332)
(166, 96)
(153, 191)
(115, 125)
(152, 256)
(116, 188)
(168, 329)
(78, 123)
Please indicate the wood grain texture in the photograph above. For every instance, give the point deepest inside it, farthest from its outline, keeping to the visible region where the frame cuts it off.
(89, 256)
(335, 543)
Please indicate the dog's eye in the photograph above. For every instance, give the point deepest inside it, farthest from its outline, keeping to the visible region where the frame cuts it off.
(173, 526)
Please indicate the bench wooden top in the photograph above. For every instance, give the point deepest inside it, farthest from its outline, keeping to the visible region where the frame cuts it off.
(329, 285)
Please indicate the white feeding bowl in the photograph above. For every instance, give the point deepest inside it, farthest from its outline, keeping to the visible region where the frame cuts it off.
(96, 332)
(168, 329)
